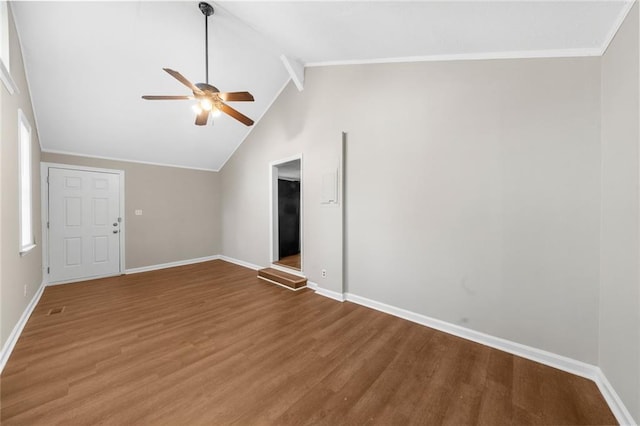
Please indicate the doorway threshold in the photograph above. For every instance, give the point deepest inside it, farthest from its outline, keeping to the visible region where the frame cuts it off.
(287, 269)
(292, 262)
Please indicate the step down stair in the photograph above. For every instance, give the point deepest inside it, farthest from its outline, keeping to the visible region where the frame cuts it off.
(293, 282)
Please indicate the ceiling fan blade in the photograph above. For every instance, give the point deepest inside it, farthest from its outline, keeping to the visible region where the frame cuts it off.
(236, 96)
(235, 114)
(202, 118)
(166, 98)
(183, 80)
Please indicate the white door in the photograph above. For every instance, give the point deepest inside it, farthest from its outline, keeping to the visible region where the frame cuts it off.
(84, 224)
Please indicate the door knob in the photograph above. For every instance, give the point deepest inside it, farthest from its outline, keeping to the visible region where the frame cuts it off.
(115, 231)
(115, 223)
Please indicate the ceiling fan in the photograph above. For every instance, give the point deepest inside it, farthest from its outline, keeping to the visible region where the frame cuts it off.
(210, 99)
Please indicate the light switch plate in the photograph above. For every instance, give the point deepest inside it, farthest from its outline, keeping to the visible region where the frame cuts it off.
(330, 187)
(138, 212)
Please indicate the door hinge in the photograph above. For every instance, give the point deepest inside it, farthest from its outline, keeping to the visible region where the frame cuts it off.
(48, 270)
(47, 179)
(47, 225)
(119, 219)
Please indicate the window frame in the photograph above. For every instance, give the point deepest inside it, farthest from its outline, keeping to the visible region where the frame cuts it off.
(25, 246)
(5, 47)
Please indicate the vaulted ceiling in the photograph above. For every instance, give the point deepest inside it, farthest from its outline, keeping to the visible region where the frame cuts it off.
(88, 63)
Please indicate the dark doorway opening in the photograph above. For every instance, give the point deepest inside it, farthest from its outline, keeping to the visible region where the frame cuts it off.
(288, 218)
(287, 213)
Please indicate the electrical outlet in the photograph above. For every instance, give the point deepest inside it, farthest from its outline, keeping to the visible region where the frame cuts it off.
(25, 290)
(138, 212)
(324, 273)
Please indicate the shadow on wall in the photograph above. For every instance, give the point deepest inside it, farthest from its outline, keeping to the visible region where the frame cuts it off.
(292, 125)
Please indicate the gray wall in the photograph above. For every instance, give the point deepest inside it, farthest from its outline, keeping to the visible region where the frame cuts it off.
(16, 271)
(472, 191)
(620, 239)
(473, 195)
(180, 210)
(296, 123)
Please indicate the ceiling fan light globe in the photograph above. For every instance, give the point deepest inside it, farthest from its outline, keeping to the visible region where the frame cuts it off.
(196, 108)
(216, 112)
(206, 105)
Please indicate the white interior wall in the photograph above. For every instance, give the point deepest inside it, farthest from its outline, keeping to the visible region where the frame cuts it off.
(473, 195)
(619, 344)
(292, 126)
(473, 191)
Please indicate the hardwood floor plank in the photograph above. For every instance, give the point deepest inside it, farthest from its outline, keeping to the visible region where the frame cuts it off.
(495, 406)
(211, 344)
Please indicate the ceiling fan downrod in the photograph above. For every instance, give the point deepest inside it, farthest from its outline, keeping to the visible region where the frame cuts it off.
(207, 10)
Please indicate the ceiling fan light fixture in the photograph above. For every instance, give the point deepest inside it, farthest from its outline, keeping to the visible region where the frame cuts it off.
(216, 112)
(206, 104)
(196, 108)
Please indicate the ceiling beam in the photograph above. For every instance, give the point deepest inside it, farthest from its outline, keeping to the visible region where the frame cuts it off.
(295, 70)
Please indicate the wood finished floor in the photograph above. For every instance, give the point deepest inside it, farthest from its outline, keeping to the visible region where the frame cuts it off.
(212, 344)
(292, 261)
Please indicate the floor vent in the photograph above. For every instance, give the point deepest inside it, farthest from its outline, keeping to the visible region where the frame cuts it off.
(54, 311)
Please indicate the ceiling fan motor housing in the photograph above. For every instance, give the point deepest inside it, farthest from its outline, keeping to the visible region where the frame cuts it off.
(207, 87)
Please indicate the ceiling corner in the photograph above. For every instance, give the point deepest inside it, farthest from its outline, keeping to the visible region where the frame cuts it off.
(616, 25)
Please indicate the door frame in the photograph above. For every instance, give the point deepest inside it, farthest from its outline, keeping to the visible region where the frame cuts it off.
(44, 199)
(273, 213)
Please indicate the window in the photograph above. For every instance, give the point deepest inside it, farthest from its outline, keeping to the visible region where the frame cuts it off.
(5, 74)
(4, 29)
(27, 240)
(4, 33)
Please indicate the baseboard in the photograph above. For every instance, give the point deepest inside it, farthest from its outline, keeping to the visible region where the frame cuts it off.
(560, 362)
(611, 396)
(326, 293)
(17, 330)
(240, 263)
(172, 264)
(79, 280)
